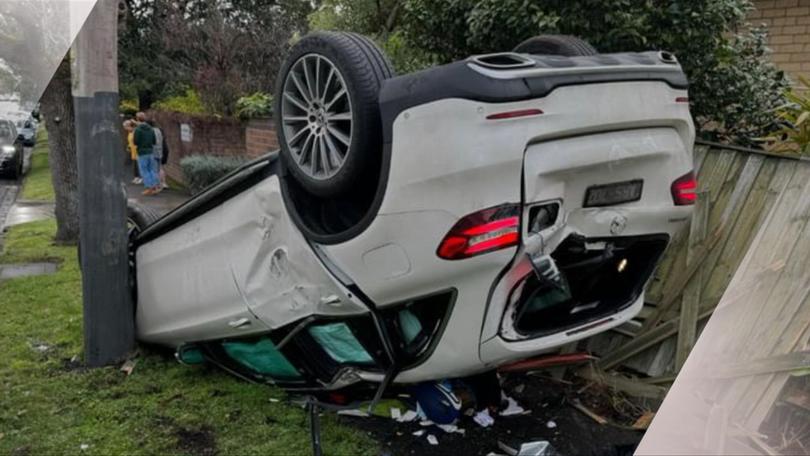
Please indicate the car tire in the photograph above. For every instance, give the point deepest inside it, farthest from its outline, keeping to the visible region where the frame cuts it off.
(565, 45)
(328, 138)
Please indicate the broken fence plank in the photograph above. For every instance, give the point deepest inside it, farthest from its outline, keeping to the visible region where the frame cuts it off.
(624, 384)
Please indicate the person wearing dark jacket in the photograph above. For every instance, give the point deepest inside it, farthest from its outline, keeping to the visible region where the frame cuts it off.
(160, 153)
(144, 139)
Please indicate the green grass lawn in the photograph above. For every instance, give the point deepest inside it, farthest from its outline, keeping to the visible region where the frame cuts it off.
(51, 404)
(38, 184)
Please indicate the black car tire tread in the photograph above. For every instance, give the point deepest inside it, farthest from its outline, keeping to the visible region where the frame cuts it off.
(141, 215)
(364, 67)
(565, 45)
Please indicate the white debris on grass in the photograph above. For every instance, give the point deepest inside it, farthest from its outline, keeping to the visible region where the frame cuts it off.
(483, 418)
(408, 416)
(84, 446)
(396, 413)
(512, 407)
(551, 424)
(447, 428)
(432, 439)
(353, 412)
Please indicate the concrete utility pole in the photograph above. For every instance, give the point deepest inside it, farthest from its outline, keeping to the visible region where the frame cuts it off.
(108, 309)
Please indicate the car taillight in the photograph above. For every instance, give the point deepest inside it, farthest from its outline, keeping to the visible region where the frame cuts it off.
(481, 232)
(684, 190)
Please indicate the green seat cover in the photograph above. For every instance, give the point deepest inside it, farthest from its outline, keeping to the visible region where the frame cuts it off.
(339, 342)
(262, 357)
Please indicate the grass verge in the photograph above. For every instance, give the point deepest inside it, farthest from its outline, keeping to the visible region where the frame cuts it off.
(51, 404)
(38, 185)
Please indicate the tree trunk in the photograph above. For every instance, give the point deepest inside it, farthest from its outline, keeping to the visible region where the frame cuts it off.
(56, 106)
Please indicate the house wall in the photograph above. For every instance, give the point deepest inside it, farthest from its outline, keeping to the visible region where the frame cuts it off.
(212, 136)
(788, 22)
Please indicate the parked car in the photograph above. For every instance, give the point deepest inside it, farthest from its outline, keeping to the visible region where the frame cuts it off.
(11, 151)
(426, 226)
(27, 132)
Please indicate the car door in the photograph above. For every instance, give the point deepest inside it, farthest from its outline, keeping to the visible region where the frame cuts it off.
(239, 268)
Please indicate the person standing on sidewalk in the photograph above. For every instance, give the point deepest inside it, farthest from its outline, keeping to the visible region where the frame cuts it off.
(160, 152)
(144, 138)
(129, 128)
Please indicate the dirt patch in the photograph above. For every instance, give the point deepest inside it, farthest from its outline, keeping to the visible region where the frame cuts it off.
(199, 442)
(552, 418)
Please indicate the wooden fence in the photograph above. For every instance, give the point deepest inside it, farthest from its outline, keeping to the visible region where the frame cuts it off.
(738, 189)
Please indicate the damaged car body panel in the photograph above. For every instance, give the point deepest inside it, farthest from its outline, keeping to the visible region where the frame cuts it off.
(237, 269)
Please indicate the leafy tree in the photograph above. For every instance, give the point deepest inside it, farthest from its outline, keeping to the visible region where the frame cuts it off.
(221, 48)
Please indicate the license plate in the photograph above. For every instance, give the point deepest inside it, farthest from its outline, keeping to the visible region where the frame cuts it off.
(612, 194)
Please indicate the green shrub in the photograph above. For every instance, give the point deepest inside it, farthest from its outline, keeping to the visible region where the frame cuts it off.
(188, 103)
(794, 135)
(200, 171)
(259, 104)
(128, 107)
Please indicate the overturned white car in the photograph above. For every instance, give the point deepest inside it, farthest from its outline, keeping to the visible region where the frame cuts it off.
(426, 226)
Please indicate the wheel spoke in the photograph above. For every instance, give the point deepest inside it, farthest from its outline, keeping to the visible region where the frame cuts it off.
(301, 105)
(339, 135)
(337, 96)
(325, 161)
(317, 77)
(291, 119)
(315, 157)
(298, 135)
(334, 152)
(340, 116)
(304, 149)
(307, 78)
(328, 80)
(299, 86)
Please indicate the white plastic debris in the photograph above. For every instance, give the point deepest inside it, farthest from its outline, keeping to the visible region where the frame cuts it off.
(419, 432)
(432, 439)
(84, 446)
(512, 407)
(396, 413)
(484, 419)
(272, 399)
(448, 428)
(551, 424)
(353, 412)
(425, 423)
(408, 416)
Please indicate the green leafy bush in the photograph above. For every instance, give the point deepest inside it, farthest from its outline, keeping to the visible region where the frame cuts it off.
(259, 104)
(188, 103)
(734, 87)
(200, 171)
(128, 107)
(794, 136)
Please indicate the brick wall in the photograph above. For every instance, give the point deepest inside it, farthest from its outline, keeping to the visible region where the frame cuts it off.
(788, 22)
(209, 136)
(213, 136)
(260, 137)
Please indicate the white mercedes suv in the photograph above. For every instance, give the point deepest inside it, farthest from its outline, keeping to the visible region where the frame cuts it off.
(426, 226)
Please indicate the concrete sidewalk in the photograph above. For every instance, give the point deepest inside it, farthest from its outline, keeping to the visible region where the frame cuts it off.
(163, 202)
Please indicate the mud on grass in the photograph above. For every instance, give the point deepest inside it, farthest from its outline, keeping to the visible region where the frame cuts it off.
(549, 400)
(52, 404)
